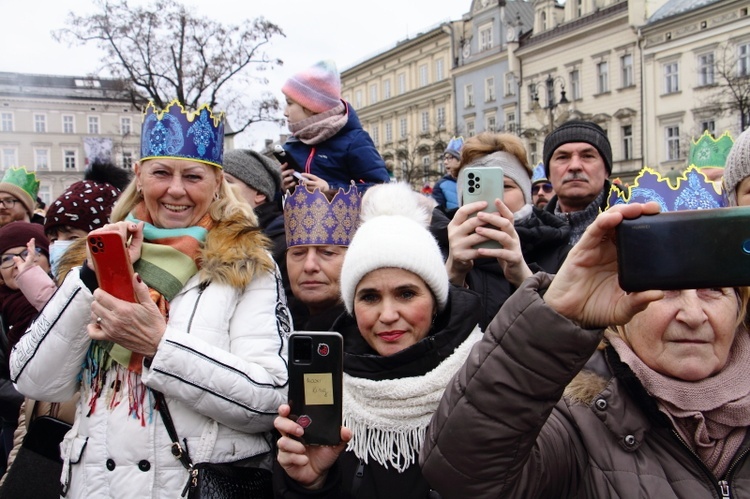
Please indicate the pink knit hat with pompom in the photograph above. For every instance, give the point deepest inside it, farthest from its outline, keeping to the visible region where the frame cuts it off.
(317, 88)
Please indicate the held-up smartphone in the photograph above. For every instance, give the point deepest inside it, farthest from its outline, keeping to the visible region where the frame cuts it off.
(690, 249)
(283, 157)
(484, 183)
(315, 385)
(114, 272)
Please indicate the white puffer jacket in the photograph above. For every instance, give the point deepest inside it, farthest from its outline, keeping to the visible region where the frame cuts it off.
(221, 365)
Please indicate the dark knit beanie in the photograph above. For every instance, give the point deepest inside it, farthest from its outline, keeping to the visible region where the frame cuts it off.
(85, 205)
(578, 131)
(18, 234)
(255, 170)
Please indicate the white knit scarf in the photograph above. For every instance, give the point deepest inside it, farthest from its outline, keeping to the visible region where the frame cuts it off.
(389, 418)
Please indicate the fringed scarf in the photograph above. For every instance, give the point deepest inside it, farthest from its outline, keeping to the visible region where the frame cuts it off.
(389, 418)
(711, 415)
(169, 258)
(320, 127)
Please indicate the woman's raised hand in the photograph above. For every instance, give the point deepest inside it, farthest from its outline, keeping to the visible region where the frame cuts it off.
(307, 465)
(132, 237)
(586, 289)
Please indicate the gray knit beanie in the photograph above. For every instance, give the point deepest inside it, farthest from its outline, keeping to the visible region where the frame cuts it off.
(578, 131)
(255, 170)
(737, 167)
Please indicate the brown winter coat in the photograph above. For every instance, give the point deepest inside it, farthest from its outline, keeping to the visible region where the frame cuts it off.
(504, 428)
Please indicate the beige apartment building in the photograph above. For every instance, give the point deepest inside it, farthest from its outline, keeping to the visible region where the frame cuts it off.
(55, 124)
(692, 57)
(404, 99)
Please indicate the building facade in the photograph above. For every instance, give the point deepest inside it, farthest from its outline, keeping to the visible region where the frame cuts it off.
(55, 124)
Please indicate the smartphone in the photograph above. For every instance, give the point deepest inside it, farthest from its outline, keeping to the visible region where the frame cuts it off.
(315, 385)
(283, 157)
(690, 249)
(483, 183)
(114, 272)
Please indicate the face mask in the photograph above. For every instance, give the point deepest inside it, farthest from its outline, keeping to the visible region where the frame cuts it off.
(56, 250)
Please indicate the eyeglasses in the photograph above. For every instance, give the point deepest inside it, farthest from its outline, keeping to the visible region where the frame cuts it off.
(6, 261)
(9, 202)
(448, 156)
(547, 188)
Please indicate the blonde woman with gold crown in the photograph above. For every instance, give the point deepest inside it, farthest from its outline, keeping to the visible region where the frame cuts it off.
(206, 342)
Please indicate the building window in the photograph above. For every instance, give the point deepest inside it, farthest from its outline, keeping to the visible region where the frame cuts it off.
(743, 59)
(489, 90)
(627, 70)
(602, 77)
(10, 157)
(485, 38)
(93, 125)
(69, 159)
(708, 126)
(126, 126)
(388, 132)
(671, 78)
(439, 70)
(425, 121)
(673, 142)
(470, 131)
(575, 84)
(441, 118)
(44, 194)
(403, 128)
(387, 89)
(627, 142)
(706, 69)
(68, 123)
(468, 95)
(404, 168)
(424, 79)
(543, 20)
(491, 125)
(40, 123)
(358, 99)
(375, 133)
(426, 167)
(579, 8)
(402, 83)
(533, 154)
(510, 122)
(531, 88)
(510, 84)
(373, 94)
(41, 159)
(127, 160)
(6, 122)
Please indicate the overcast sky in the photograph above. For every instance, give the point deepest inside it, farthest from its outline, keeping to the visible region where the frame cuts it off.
(346, 31)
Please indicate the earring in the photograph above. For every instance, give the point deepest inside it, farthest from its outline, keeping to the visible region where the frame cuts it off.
(138, 189)
(216, 196)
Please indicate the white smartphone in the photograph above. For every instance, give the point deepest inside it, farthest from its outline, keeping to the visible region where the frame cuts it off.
(483, 183)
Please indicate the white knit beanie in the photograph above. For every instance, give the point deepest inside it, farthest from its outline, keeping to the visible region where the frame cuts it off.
(737, 167)
(393, 234)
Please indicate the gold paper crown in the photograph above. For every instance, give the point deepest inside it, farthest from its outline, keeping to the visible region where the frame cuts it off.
(311, 219)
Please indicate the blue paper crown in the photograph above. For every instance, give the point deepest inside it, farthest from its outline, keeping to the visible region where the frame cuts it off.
(310, 219)
(538, 175)
(693, 191)
(176, 133)
(455, 144)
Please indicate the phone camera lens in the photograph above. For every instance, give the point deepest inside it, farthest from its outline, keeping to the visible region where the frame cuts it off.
(303, 350)
(470, 176)
(746, 247)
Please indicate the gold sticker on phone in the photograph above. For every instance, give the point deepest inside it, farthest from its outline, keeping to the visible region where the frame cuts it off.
(318, 388)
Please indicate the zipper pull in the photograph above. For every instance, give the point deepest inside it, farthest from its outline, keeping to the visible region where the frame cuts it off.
(724, 486)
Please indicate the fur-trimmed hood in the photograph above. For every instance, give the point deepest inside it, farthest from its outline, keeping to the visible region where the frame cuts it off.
(235, 252)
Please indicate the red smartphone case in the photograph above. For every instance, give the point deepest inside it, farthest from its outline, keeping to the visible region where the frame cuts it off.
(114, 272)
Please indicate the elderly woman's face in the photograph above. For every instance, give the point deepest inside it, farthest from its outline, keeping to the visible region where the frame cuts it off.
(688, 334)
(393, 308)
(177, 192)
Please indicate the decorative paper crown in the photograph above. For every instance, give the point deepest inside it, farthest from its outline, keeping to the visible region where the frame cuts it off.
(455, 144)
(708, 152)
(309, 218)
(176, 133)
(694, 191)
(24, 179)
(538, 175)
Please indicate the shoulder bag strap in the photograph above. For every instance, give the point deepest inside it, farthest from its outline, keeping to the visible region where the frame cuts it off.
(178, 450)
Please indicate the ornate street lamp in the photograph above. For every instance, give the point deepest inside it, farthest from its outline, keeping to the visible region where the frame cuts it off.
(548, 111)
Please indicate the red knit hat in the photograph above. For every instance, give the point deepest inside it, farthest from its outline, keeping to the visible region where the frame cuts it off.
(317, 88)
(85, 205)
(18, 234)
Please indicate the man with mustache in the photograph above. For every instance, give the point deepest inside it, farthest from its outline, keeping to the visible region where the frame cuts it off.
(578, 161)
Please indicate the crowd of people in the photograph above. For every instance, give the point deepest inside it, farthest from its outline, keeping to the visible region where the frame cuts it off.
(517, 370)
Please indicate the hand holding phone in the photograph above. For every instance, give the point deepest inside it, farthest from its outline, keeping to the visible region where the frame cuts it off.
(315, 385)
(281, 155)
(114, 272)
(484, 183)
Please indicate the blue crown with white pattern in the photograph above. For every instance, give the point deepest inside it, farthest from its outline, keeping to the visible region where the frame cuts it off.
(174, 132)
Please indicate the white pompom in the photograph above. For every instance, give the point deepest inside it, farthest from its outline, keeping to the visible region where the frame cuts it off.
(394, 199)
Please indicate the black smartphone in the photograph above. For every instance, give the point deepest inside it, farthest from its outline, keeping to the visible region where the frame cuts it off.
(315, 385)
(690, 249)
(283, 157)
(483, 183)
